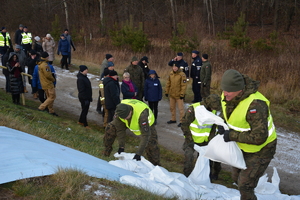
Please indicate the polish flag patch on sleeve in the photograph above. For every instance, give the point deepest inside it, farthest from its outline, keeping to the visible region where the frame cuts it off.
(144, 123)
(253, 111)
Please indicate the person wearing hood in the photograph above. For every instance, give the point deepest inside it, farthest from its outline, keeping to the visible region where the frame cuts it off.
(175, 90)
(48, 46)
(153, 92)
(84, 94)
(64, 49)
(247, 114)
(47, 80)
(111, 93)
(137, 76)
(15, 78)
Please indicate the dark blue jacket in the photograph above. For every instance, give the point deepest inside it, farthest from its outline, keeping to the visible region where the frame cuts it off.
(195, 69)
(36, 79)
(153, 89)
(63, 47)
(125, 90)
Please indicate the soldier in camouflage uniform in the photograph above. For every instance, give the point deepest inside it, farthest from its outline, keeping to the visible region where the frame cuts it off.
(247, 113)
(199, 135)
(205, 76)
(138, 117)
(137, 76)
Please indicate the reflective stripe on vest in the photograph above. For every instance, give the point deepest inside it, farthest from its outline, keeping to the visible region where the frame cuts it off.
(26, 38)
(2, 39)
(138, 108)
(237, 121)
(200, 133)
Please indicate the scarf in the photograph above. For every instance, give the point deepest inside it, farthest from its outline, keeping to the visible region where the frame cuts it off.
(131, 88)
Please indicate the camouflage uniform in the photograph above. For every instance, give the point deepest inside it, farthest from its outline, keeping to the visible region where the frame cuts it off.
(212, 101)
(257, 117)
(148, 137)
(205, 77)
(137, 77)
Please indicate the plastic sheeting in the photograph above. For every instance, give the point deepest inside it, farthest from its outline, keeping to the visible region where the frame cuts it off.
(160, 181)
(25, 156)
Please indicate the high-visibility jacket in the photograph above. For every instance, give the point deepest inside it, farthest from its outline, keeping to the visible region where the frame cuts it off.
(200, 133)
(237, 121)
(138, 108)
(26, 38)
(2, 39)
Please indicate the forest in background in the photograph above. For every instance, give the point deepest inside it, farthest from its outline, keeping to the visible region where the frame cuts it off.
(269, 27)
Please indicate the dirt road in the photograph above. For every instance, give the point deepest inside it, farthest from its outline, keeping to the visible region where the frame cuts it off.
(170, 136)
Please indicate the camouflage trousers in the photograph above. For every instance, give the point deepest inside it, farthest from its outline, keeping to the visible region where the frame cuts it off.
(257, 164)
(189, 161)
(152, 149)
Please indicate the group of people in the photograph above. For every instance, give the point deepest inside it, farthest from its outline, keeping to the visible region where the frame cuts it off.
(245, 110)
(37, 55)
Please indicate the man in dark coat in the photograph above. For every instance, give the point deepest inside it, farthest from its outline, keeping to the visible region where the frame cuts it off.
(143, 63)
(18, 35)
(111, 93)
(182, 64)
(84, 94)
(195, 75)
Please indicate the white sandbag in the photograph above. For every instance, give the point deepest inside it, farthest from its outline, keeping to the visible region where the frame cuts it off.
(204, 116)
(225, 152)
(200, 173)
(264, 187)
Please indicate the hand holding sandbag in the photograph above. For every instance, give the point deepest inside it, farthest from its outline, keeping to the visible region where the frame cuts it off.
(221, 130)
(226, 136)
(137, 157)
(120, 150)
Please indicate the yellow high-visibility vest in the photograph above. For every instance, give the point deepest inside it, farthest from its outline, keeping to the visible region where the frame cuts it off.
(237, 121)
(200, 133)
(26, 38)
(2, 39)
(138, 108)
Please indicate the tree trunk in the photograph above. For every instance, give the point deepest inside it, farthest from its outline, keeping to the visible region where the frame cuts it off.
(102, 30)
(173, 18)
(66, 12)
(276, 11)
(212, 18)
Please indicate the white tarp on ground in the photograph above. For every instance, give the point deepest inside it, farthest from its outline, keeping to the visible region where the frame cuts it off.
(23, 156)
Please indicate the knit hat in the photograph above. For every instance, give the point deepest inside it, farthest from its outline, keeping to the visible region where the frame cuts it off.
(123, 110)
(145, 58)
(134, 58)
(110, 64)
(108, 56)
(62, 35)
(82, 68)
(180, 54)
(106, 72)
(37, 38)
(66, 29)
(3, 28)
(232, 81)
(44, 54)
(32, 52)
(25, 27)
(113, 73)
(205, 56)
(196, 52)
(21, 25)
(18, 46)
(48, 35)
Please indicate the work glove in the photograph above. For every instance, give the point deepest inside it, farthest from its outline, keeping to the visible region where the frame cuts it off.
(166, 95)
(226, 136)
(74, 49)
(181, 97)
(146, 99)
(120, 150)
(221, 130)
(137, 157)
(204, 84)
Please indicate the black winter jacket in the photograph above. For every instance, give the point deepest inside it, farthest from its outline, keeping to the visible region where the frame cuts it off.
(84, 87)
(111, 93)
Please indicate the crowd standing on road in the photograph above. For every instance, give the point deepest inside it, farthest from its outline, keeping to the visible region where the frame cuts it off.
(243, 108)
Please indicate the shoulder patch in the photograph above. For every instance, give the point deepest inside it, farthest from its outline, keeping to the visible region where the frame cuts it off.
(144, 123)
(189, 110)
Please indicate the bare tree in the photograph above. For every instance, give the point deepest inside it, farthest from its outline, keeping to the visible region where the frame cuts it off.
(66, 12)
(174, 23)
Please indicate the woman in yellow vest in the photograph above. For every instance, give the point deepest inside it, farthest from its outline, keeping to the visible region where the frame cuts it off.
(247, 113)
(194, 133)
(138, 117)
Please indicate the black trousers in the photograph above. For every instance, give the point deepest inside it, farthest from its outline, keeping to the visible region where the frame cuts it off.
(85, 105)
(111, 113)
(64, 61)
(196, 90)
(153, 106)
